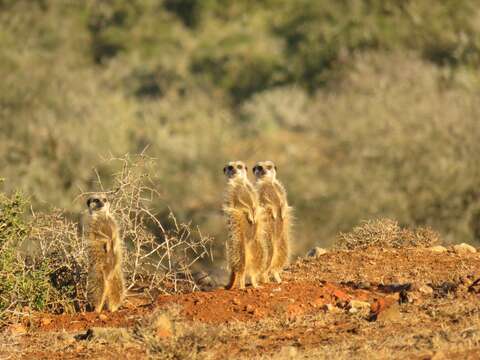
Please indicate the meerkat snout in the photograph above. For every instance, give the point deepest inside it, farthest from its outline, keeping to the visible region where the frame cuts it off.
(265, 169)
(235, 168)
(98, 203)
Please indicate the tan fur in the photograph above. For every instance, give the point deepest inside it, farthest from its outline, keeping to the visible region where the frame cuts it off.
(273, 198)
(105, 277)
(246, 252)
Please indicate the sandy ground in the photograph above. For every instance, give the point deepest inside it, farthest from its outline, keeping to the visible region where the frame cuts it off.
(374, 303)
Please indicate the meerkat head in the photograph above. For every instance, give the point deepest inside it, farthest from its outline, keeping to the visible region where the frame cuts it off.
(98, 203)
(235, 169)
(265, 170)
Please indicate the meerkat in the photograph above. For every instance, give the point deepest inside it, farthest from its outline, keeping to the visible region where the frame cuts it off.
(246, 251)
(273, 198)
(105, 277)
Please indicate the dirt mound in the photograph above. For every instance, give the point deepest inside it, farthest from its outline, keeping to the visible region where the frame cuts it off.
(411, 302)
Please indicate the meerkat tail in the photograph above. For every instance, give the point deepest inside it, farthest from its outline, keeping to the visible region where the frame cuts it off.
(233, 281)
(282, 248)
(100, 301)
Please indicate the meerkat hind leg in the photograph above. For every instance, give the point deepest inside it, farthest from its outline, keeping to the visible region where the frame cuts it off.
(265, 278)
(234, 279)
(253, 280)
(242, 281)
(277, 277)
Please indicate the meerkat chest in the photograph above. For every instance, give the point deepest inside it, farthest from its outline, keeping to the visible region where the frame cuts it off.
(243, 196)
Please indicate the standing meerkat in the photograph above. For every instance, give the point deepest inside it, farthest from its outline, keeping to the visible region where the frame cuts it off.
(273, 198)
(105, 277)
(246, 251)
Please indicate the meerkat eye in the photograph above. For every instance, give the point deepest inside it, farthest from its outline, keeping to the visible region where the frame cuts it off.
(104, 199)
(239, 167)
(269, 167)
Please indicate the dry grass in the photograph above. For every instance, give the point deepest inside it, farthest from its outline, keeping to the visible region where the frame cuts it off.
(45, 268)
(385, 233)
(159, 256)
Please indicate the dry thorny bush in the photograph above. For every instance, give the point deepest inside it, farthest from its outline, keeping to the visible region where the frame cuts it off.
(385, 233)
(158, 258)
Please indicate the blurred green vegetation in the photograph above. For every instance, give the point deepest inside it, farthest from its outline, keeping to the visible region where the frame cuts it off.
(369, 107)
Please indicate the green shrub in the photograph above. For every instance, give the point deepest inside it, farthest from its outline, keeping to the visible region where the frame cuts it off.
(24, 282)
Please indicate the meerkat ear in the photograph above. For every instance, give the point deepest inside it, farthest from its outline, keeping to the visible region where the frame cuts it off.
(225, 170)
(275, 167)
(246, 168)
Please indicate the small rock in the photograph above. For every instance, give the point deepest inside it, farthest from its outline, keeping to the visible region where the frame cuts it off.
(235, 301)
(426, 290)
(204, 280)
(103, 317)
(462, 249)
(364, 285)
(439, 249)
(444, 289)
(357, 306)
(17, 329)
(316, 252)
